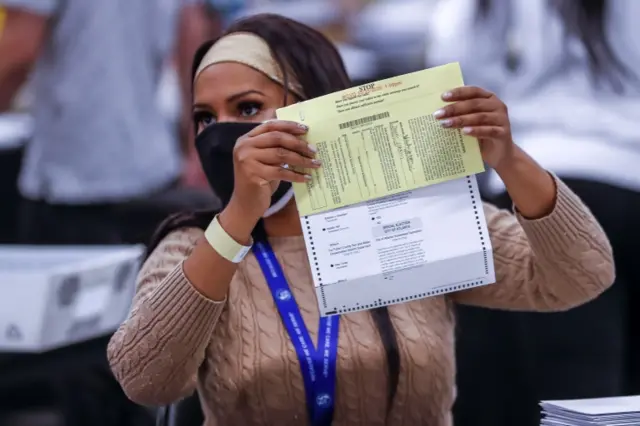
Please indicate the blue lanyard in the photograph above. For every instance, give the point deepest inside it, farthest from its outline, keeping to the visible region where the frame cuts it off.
(318, 366)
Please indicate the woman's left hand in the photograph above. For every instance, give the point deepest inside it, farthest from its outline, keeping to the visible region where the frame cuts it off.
(480, 114)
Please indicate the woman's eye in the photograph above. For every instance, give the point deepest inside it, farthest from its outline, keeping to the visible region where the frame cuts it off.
(203, 119)
(249, 109)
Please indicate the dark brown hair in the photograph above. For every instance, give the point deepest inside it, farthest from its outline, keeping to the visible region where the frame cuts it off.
(320, 70)
(586, 20)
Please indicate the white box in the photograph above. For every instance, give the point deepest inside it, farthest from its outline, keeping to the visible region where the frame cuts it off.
(55, 296)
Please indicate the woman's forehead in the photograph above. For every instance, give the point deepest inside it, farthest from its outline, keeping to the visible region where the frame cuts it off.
(219, 81)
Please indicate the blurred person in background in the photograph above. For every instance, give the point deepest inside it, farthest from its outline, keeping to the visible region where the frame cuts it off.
(566, 68)
(333, 18)
(100, 139)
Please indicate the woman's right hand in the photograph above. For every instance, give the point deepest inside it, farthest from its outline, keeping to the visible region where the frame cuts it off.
(258, 160)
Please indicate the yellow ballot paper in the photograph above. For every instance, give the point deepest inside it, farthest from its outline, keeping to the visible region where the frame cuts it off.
(381, 139)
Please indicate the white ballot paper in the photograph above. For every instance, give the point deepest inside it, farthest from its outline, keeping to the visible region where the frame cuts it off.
(403, 247)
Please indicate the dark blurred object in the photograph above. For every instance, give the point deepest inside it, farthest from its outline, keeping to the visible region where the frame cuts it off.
(512, 360)
(131, 222)
(144, 215)
(39, 380)
(187, 412)
(15, 129)
(9, 168)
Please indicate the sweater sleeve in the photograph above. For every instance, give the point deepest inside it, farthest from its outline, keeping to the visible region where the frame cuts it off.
(548, 264)
(156, 352)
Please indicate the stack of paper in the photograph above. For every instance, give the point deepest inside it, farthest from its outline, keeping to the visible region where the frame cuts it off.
(622, 411)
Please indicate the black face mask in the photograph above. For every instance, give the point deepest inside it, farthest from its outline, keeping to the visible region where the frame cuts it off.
(215, 149)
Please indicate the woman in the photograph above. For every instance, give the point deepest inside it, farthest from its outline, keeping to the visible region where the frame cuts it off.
(203, 318)
(568, 71)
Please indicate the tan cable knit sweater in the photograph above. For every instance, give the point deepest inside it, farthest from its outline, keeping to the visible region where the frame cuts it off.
(238, 354)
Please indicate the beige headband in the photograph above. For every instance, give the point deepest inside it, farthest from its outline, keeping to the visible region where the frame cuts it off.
(248, 49)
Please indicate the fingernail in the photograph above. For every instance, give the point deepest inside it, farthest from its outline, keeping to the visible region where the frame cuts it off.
(316, 162)
(446, 123)
(307, 177)
(439, 113)
(467, 130)
(303, 126)
(312, 148)
(447, 95)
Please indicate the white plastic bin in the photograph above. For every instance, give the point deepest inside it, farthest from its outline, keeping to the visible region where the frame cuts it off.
(52, 297)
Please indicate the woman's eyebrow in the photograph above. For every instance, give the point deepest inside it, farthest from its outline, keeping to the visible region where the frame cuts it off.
(244, 93)
(200, 107)
(235, 96)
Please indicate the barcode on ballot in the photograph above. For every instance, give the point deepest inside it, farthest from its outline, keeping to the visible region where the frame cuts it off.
(364, 120)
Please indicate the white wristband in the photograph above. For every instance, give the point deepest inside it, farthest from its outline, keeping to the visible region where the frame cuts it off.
(224, 244)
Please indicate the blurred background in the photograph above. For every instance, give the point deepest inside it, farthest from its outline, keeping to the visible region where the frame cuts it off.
(95, 149)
